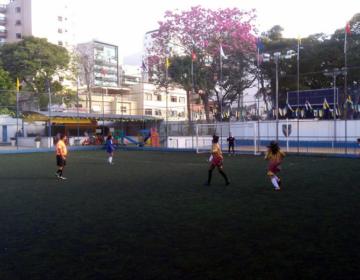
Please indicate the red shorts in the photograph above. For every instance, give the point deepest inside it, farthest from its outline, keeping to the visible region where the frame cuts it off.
(274, 168)
(217, 161)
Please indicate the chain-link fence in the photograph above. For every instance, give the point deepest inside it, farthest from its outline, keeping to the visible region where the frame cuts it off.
(314, 127)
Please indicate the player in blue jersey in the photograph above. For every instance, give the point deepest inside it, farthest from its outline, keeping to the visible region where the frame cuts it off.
(110, 148)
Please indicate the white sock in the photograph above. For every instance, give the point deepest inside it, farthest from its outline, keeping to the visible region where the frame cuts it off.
(110, 159)
(210, 158)
(273, 181)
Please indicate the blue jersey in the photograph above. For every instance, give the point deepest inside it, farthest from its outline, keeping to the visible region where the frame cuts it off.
(110, 144)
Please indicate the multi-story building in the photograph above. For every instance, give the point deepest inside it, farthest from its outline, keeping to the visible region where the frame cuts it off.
(152, 102)
(98, 63)
(54, 20)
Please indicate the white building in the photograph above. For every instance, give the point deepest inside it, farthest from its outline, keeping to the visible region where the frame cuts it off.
(151, 102)
(54, 20)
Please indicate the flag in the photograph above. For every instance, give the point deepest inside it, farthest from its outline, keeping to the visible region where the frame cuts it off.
(347, 31)
(103, 71)
(47, 85)
(192, 56)
(17, 84)
(222, 53)
(350, 98)
(299, 39)
(167, 63)
(259, 45)
(326, 103)
(143, 66)
(347, 28)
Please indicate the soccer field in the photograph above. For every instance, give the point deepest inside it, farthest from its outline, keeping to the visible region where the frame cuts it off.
(149, 216)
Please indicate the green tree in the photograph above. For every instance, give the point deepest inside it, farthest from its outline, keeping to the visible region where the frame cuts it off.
(34, 61)
(7, 89)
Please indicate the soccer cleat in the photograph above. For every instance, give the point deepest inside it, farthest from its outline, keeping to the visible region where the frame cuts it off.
(62, 177)
(275, 189)
(57, 175)
(227, 183)
(279, 182)
(206, 183)
(111, 162)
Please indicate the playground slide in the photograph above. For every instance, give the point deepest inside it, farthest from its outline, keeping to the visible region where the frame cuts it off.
(131, 140)
(146, 137)
(141, 144)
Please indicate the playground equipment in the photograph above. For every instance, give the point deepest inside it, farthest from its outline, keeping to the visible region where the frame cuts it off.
(146, 137)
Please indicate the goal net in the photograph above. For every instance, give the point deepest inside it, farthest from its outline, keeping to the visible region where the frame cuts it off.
(246, 140)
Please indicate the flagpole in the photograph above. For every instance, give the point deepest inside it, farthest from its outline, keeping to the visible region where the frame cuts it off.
(48, 87)
(192, 97)
(345, 91)
(17, 118)
(258, 70)
(166, 93)
(77, 90)
(298, 78)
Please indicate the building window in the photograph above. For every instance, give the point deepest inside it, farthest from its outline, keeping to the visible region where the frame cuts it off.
(173, 99)
(65, 30)
(158, 97)
(18, 22)
(145, 37)
(157, 112)
(145, 45)
(182, 99)
(60, 43)
(122, 109)
(148, 96)
(60, 31)
(59, 18)
(148, 111)
(18, 35)
(17, 10)
(65, 18)
(149, 43)
(61, 79)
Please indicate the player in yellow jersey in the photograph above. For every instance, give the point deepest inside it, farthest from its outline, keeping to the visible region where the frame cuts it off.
(216, 161)
(61, 153)
(275, 155)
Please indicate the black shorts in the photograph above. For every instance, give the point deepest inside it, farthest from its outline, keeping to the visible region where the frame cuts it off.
(60, 161)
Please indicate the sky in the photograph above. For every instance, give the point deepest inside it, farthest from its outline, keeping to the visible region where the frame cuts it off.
(124, 22)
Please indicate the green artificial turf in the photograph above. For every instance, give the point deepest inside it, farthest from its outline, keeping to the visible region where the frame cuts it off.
(148, 216)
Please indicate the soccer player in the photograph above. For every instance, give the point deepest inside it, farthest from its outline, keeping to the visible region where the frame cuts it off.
(358, 141)
(110, 148)
(61, 153)
(231, 141)
(275, 155)
(217, 161)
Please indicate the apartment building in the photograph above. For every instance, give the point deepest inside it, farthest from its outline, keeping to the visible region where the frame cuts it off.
(54, 20)
(99, 63)
(153, 102)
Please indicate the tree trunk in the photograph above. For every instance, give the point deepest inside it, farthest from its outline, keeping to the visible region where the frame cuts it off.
(205, 99)
(90, 105)
(189, 112)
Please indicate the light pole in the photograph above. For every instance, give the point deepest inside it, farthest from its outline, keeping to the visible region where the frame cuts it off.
(334, 74)
(276, 57)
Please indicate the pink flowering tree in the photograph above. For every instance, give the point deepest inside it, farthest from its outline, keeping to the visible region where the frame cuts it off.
(202, 31)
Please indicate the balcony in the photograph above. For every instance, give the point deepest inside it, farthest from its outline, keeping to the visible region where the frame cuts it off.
(3, 21)
(3, 33)
(129, 82)
(105, 62)
(3, 9)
